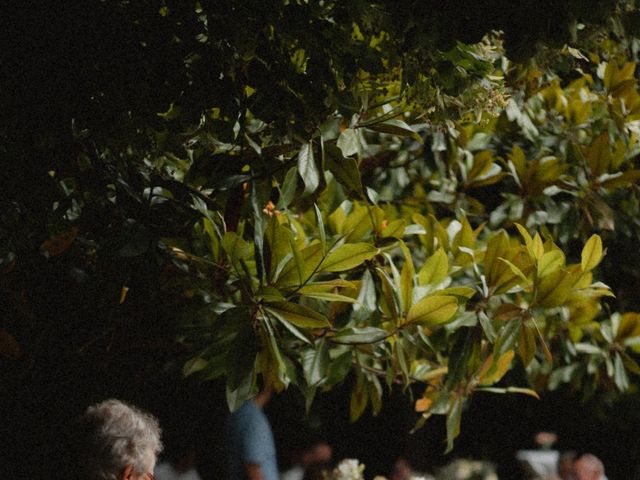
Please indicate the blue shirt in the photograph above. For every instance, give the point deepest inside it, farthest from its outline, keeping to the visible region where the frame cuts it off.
(250, 440)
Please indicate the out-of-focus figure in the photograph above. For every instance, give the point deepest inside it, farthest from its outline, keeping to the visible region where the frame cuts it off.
(589, 467)
(115, 441)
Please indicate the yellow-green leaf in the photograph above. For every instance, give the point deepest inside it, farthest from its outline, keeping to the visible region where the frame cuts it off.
(528, 241)
(396, 127)
(537, 247)
(433, 310)
(348, 256)
(518, 160)
(526, 344)
(290, 275)
(237, 249)
(395, 228)
(516, 271)
(461, 292)
(553, 289)
(591, 253)
(435, 269)
(298, 315)
(406, 278)
(492, 371)
(497, 247)
(357, 224)
(327, 296)
(550, 262)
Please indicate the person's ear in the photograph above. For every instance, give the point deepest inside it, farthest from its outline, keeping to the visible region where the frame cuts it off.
(127, 473)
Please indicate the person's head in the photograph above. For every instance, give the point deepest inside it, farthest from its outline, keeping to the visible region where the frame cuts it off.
(318, 452)
(588, 467)
(401, 469)
(116, 441)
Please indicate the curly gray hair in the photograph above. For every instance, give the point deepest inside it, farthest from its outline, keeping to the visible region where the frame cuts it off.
(114, 435)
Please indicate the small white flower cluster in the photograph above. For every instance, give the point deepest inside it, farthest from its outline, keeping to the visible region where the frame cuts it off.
(463, 469)
(351, 469)
(348, 469)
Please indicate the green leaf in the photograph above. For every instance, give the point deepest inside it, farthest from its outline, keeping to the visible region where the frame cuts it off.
(237, 397)
(307, 168)
(508, 337)
(298, 315)
(464, 356)
(357, 224)
(348, 256)
(288, 188)
(435, 269)
(395, 229)
(550, 262)
(290, 275)
(270, 294)
(433, 310)
(621, 179)
(315, 363)
(498, 246)
(493, 370)
(406, 278)
(524, 391)
(348, 142)
(620, 376)
(359, 399)
(237, 249)
(194, 365)
(395, 127)
(362, 335)
(321, 232)
(526, 344)
(554, 289)
(454, 417)
(344, 169)
(591, 253)
(339, 367)
(326, 296)
(528, 241)
(279, 240)
(515, 270)
(462, 293)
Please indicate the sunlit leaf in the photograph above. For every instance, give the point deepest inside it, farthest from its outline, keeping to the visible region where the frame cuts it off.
(307, 168)
(348, 142)
(435, 269)
(591, 253)
(298, 315)
(348, 256)
(433, 310)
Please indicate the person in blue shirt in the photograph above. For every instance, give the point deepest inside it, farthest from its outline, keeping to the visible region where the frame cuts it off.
(251, 448)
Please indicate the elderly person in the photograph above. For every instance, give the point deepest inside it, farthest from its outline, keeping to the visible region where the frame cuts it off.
(116, 441)
(589, 467)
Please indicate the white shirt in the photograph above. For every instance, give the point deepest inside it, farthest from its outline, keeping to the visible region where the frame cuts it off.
(165, 471)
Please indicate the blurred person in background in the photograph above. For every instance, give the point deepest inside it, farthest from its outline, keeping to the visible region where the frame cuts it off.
(115, 441)
(318, 452)
(566, 470)
(589, 467)
(251, 449)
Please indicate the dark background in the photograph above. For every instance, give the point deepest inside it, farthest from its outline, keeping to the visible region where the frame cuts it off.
(38, 410)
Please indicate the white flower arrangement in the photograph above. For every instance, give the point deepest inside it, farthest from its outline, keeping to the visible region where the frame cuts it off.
(351, 469)
(348, 469)
(464, 469)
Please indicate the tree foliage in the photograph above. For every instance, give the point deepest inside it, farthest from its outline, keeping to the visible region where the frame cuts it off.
(320, 192)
